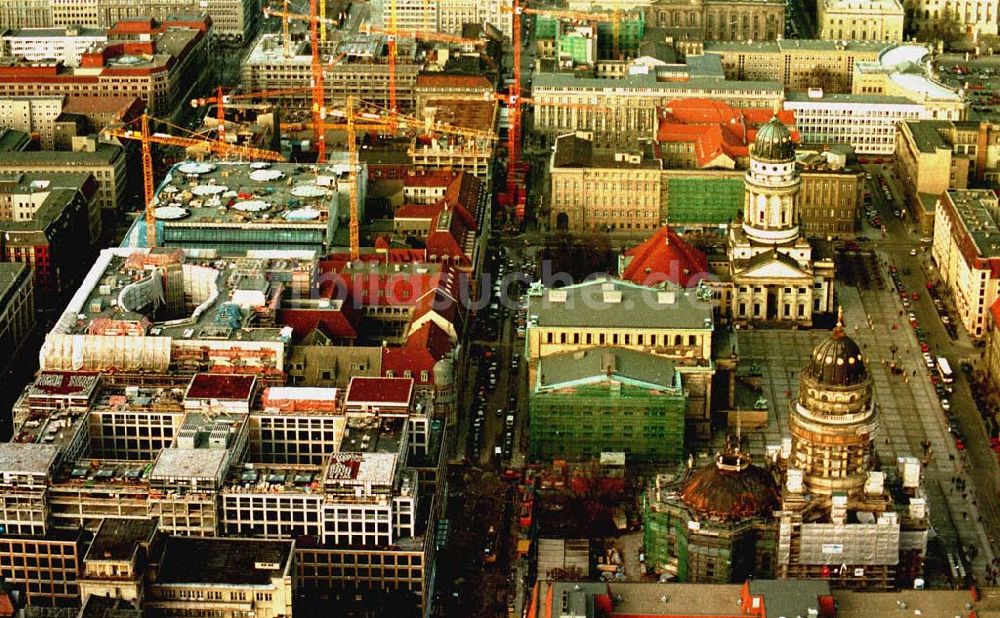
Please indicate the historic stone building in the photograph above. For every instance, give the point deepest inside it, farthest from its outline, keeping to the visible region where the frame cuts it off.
(718, 20)
(839, 517)
(774, 275)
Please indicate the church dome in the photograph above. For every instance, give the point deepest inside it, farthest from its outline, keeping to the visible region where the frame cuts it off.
(838, 360)
(773, 142)
(731, 488)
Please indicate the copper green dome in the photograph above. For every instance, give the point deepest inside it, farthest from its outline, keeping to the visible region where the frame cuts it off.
(774, 142)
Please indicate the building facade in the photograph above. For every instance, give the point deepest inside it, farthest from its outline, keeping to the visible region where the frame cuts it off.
(867, 123)
(963, 18)
(17, 308)
(718, 20)
(799, 64)
(967, 253)
(607, 400)
(881, 20)
(163, 70)
(105, 162)
(632, 102)
(675, 324)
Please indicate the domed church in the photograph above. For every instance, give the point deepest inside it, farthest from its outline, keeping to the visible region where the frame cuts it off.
(774, 275)
(820, 507)
(841, 518)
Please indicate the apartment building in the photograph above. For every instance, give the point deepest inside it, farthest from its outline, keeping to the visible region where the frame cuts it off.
(879, 20)
(799, 64)
(105, 162)
(17, 308)
(163, 70)
(717, 20)
(937, 155)
(967, 253)
(453, 15)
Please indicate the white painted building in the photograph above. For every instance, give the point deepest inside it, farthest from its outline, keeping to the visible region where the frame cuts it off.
(967, 252)
(866, 122)
(974, 17)
(38, 44)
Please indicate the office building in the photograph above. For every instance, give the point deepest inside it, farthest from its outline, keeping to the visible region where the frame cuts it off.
(164, 69)
(17, 308)
(358, 68)
(881, 20)
(937, 155)
(232, 207)
(105, 162)
(799, 64)
(967, 253)
(49, 221)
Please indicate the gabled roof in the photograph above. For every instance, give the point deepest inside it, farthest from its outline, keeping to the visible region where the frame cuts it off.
(665, 256)
(423, 348)
(995, 312)
(774, 264)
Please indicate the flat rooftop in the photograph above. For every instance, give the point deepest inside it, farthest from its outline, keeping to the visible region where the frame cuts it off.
(606, 302)
(366, 469)
(979, 211)
(796, 44)
(20, 458)
(226, 562)
(221, 386)
(854, 99)
(10, 273)
(364, 391)
(117, 538)
(190, 463)
(198, 194)
(122, 295)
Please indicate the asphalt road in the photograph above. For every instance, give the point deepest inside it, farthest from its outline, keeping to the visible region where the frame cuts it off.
(978, 460)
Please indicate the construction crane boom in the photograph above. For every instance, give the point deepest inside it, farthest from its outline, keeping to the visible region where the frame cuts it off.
(145, 137)
(221, 99)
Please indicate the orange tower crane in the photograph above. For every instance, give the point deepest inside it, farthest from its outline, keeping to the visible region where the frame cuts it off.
(381, 120)
(392, 34)
(514, 196)
(220, 100)
(145, 137)
(316, 82)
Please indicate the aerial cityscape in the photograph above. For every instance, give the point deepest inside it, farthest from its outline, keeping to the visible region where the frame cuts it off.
(499, 308)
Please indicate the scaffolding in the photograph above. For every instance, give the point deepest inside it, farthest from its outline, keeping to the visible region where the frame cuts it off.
(645, 425)
(703, 201)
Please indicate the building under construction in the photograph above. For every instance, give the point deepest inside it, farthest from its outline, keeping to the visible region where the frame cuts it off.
(607, 400)
(354, 65)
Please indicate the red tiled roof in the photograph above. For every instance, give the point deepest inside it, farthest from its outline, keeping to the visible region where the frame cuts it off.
(665, 256)
(220, 386)
(379, 390)
(422, 350)
(995, 311)
(715, 127)
(338, 323)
